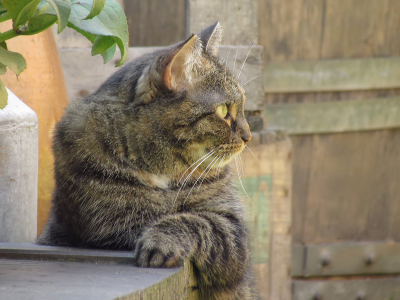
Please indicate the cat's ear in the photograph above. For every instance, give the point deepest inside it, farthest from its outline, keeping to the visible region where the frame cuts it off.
(211, 38)
(181, 71)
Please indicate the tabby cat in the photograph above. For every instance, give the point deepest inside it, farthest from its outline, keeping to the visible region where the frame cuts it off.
(142, 164)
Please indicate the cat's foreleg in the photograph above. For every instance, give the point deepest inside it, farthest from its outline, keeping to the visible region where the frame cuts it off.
(215, 243)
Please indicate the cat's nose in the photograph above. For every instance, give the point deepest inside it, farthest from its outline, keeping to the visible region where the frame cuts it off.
(246, 137)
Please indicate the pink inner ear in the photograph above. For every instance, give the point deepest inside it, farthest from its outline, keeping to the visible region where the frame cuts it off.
(168, 77)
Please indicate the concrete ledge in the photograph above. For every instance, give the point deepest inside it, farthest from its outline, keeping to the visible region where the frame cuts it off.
(29, 271)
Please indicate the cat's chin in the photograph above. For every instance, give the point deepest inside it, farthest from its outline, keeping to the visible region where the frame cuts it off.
(231, 150)
(226, 153)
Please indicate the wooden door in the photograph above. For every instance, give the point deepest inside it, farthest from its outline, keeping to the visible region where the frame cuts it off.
(332, 79)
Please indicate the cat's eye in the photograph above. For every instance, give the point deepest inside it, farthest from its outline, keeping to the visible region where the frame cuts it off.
(222, 111)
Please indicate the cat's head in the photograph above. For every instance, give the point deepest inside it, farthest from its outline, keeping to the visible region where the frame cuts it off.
(188, 108)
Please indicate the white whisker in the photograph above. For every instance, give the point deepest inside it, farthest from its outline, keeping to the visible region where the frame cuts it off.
(205, 176)
(207, 154)
(252, 153)
(234, 62)
(187, 177)
(226, 62)
(241, 68)
(240, 164)
(250, 80)
(240, 180)
(198, 180)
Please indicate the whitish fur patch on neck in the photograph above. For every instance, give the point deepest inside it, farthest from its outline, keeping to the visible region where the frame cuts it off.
(160, 181)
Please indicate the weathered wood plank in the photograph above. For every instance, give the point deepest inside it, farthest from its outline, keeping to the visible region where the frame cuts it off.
(337, 116)
(332, 75)
(238, 19)
(299, 253)
(351, 259)
(371, 289)
(352, 187)
(155, 23)
(290, 29)
(312, 29)
(355, 29)
(302, 159)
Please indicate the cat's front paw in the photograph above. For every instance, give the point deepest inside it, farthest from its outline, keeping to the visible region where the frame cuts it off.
(157, 250)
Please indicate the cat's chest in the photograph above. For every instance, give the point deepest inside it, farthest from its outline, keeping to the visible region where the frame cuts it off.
(158, 181)
(170, 194)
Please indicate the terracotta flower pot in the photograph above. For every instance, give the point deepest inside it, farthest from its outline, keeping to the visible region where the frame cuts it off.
(42, 87)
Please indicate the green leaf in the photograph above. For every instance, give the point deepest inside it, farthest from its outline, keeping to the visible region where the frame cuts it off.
(4, 45)
(39, 23)
(110, 22)
(97, 7)
(3, 69)
(104, 45)
(101, 44)
(3, 95)
(62, 9)
(13, 60)
(89, 36)
(109, 53)
(20, 10)
(2, 8)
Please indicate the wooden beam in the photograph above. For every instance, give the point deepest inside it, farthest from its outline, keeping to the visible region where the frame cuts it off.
(336, 116)
(371, 289)
(298, 260)
(346, 259)
(332, 75)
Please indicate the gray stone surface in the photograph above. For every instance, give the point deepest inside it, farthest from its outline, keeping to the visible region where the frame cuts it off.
(18, 172)
(35, 272)
(50, 280)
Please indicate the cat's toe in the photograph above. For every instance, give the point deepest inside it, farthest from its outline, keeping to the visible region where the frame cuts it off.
(148, 254)
(174, 261)
(140, 256)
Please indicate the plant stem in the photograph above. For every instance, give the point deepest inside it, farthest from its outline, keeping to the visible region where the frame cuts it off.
(7, 35)
(4, 17)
